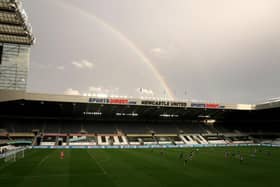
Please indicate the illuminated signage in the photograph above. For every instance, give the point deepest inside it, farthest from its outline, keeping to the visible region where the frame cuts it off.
(156, 103)
(164, 103)
(178, 104)
(98, 100)
(132, 102)
(198, 105)
(112, 101)
(212, 105)
(118, 101)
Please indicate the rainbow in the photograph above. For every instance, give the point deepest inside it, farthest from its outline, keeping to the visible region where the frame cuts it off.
(127, 41)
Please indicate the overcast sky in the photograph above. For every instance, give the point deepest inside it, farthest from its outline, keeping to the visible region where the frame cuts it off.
(217, 50)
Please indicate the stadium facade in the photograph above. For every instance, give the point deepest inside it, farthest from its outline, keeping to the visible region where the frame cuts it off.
(15, 41)
(49, 120)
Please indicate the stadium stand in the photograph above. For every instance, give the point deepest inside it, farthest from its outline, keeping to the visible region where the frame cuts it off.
(100, 128)
(80, 132)
(191, 128)
(133, 128)
(219, 139)
(66, 123)
(133, 140)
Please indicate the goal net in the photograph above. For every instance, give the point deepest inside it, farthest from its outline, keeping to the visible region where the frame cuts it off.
(14, 155)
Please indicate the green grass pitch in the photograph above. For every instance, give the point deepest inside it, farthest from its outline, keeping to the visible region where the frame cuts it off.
(143, 167)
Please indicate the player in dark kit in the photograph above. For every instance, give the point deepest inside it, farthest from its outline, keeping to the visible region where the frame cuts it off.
(185, 161)
(181, 155)
(191, 156)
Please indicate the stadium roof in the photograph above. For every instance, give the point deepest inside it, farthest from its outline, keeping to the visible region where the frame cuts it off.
(19, 103)
(9, 95)
(6, 95)
(14, 26)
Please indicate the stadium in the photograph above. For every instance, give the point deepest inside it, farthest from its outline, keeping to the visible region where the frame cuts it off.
(67, 140)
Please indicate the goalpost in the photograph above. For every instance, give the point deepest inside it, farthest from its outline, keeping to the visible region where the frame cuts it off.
(14, 155)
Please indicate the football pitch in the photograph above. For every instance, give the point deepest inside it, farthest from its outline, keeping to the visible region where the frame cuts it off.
(144, 167)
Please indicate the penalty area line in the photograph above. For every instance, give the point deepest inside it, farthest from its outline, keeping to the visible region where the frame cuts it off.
(43, 160)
